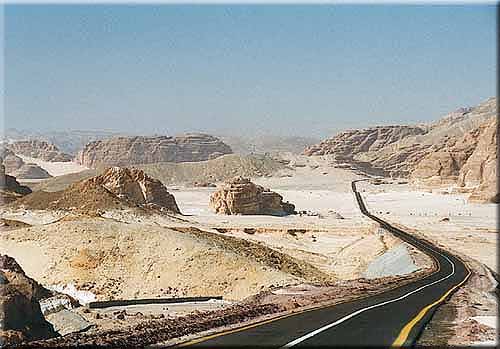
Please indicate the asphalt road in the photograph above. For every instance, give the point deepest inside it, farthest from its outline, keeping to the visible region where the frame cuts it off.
(393, 318)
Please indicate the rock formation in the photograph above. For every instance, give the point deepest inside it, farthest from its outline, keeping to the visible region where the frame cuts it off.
(39, 149)
(346, 144)
(10, 189)
(136, 186)
(480, 170)
(116, 188)
(241, 196)
(31, 171)
(124, 151)
(10, 160)
(459, 148)
(21, 317)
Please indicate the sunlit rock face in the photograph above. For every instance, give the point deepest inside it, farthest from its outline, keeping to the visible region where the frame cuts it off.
(124, 151)
(241, 196)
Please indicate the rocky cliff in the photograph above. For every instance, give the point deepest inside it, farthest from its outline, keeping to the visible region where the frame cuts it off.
(349, 143)
(39, 149)
(480, 170)
(21, 317)
(124, 151)
(241, 196)
(458, 148)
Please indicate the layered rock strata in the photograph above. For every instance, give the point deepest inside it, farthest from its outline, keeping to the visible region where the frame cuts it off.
(125, 151)
(241, 196)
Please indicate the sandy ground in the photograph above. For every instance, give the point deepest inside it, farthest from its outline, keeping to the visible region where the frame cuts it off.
(116, 260)
(469, 230)
(55, 168)
(131, 256)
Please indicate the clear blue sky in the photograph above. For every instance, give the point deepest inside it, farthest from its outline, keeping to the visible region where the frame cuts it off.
(306, 70)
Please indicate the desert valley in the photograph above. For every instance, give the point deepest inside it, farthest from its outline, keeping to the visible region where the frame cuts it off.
(239, 233)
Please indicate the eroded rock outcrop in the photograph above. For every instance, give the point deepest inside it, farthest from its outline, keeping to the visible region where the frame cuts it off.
(10, 189)
(480, 170)
(31, 171)
(10, 160)
(39, 149)
(346, 144)
(136, 186)
(116, 188)
(241, 196)
(20, 315)
(435, 154)
(124, 151)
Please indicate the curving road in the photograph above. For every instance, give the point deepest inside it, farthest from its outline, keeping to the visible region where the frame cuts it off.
(393, 318)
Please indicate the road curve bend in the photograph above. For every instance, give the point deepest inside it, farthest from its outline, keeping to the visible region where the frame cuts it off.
(392, 318)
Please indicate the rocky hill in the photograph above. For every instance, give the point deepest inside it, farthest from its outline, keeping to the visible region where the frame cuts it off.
(271, 144)
(40, 149)
(437, 153)
(126, 151)
(241, 196)
(346, 145)
(116, 188)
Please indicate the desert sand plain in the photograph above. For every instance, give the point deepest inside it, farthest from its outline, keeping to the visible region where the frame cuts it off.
(125, 255)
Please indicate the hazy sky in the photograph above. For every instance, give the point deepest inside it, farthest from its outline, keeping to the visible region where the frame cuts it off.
(306, 70)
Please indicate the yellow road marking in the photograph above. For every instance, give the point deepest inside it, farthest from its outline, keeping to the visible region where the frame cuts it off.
(263, 322)
(403, 335)
(405, 332)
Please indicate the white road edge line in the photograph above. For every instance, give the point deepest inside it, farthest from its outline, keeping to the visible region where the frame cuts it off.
(347, 317)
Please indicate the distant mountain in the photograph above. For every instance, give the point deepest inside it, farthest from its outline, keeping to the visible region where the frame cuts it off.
(272, 144)
(435, 153)
(67, 141)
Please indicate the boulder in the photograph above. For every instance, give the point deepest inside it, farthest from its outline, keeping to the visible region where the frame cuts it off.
(125, 151)
(241, 196)
(21, 317)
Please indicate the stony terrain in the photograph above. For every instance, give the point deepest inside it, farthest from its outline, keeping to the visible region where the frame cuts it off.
(39, 149)
(126, 151)
(21, 317)
(433, 154)
(241, 196)
(116, 188)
